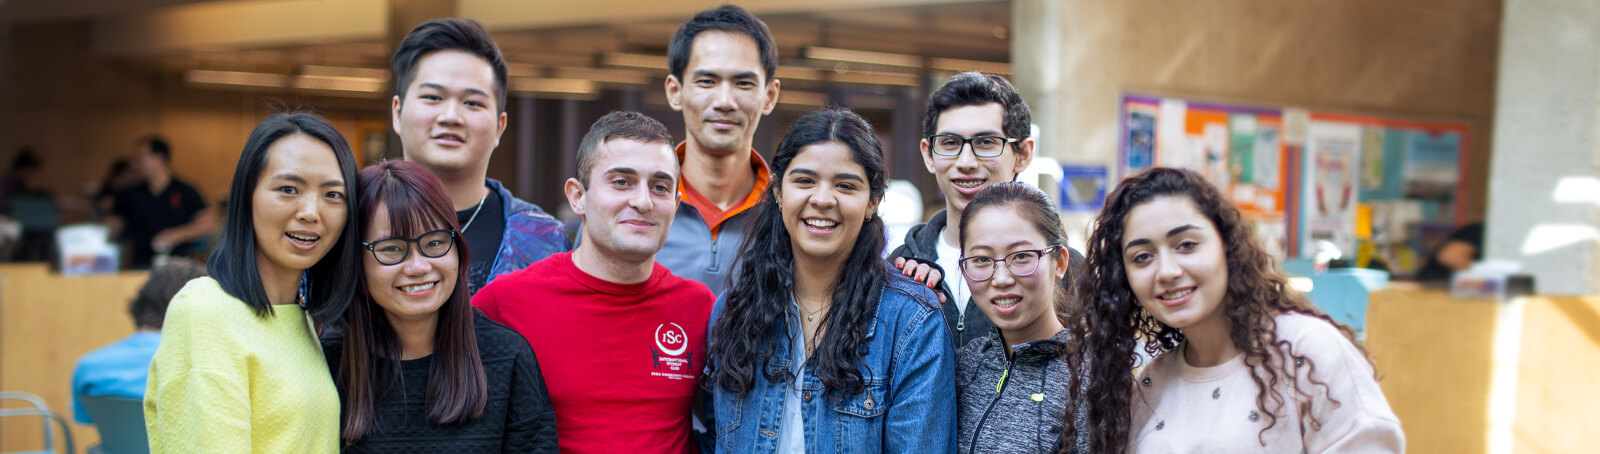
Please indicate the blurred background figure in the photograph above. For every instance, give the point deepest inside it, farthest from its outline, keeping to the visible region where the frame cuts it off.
(165, 215)
(30, 213)
(120, 369)
(102, 194)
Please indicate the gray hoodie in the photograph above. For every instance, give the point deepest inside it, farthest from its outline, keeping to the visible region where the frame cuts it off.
(1013, 405)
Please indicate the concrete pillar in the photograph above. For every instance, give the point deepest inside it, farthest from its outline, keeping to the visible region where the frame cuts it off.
(1544, 178)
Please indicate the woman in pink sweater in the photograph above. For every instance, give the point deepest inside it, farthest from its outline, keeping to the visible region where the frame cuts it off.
(1241, 362)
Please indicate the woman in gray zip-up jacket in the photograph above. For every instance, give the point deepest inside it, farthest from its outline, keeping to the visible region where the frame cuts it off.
(1011, 385)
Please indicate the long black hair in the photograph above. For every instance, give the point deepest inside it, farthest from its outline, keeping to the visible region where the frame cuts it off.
(233, 264)
(1111, 319)
(741, 338)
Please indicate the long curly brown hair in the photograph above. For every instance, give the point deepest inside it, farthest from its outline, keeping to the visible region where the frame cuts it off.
(1111, 321)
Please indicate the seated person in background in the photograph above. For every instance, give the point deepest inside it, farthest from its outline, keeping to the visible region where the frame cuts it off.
(120, 369)
(1464, 248)
(165, 215)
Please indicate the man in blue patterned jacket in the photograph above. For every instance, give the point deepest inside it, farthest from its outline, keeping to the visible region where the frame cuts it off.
(449, 110)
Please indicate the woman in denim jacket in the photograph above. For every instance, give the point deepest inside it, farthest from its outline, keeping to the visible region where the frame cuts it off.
(818, 347)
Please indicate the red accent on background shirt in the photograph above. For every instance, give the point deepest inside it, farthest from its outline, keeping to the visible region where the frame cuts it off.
(713, 214)
(621, 361)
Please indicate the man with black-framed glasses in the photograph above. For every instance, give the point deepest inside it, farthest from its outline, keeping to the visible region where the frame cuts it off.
(975, 134)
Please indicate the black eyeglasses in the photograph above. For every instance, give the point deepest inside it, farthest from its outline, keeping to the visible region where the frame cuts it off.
(1021, 263)
(950, 145)
(390, 251)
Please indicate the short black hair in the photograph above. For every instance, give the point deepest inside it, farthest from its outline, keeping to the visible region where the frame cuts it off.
(465, 35)
(24, 160)
(158, 146)
(149, 307)
(727, 18)
(617, 125)
(333, 279)
(976, 89)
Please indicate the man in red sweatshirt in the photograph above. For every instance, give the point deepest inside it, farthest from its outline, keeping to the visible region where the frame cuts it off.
(620, 339)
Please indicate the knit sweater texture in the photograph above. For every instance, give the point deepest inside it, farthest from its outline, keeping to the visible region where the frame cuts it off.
(225, 380)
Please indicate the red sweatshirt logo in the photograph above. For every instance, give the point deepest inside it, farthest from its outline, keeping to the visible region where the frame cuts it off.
(669, 352)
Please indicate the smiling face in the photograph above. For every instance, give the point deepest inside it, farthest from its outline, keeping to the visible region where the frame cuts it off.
(629, 203)
(1023, 307)
(448, 121)
(418, 286)
(723, 92)
(1176, 263)
(299, 205)
(825, 199)
(961, 177)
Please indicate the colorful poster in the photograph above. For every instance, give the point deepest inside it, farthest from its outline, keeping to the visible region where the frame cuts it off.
(1141, 138)
(1242, 144)
(1432, 165)
(1268, 150)
(1330, 189)
(1371, 158)
(1083, 188)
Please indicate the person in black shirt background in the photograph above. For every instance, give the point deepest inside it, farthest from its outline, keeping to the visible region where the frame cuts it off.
(164, 214)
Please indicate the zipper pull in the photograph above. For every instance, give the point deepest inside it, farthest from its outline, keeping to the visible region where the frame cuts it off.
(961, 322)
(1002, 383)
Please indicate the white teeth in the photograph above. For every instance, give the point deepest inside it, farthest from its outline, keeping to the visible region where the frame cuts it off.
(1007, 302)
(821, 224)
(418, 287)
(307, 239)
(1177, 294)
(969, 184)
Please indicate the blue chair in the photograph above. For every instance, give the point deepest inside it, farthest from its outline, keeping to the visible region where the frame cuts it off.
(1342, 293)
(38, 409)
(120, 421)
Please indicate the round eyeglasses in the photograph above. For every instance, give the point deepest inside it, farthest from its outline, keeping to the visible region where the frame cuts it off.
(1021, 263)
(950, 145)
(391, 251)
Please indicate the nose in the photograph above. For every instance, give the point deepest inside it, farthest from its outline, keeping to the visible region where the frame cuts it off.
(967, 156)
(1167, 269)
(723, 98)
(823, 199)
(308, 211)
(415, 264)
(1002, 275)
(640, 199)
(451, 114)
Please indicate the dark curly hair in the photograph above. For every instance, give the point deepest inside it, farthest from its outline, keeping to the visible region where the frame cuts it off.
(1111, 320)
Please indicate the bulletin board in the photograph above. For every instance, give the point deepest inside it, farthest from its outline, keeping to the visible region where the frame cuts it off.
(1303, 177)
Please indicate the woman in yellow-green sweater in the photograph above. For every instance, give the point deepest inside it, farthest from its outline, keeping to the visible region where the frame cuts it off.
(240, 368)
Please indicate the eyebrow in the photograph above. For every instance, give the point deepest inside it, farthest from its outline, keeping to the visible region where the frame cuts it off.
(1170, 234)
(297, 179)
(436, 86)
(737, 75)
(841, 176)
(986, 132)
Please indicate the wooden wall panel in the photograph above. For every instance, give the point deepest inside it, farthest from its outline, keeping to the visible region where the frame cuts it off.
(47, 322)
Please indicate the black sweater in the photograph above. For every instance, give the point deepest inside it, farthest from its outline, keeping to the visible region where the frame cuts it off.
(518, 417)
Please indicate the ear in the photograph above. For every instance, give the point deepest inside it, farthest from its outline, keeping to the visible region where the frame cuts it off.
(1063, 260)
(772, 98)
(927, 156)
(499, 131)
(872, 208)
(674, 87)
(1024, 156)
(394, 113)
(574, 191)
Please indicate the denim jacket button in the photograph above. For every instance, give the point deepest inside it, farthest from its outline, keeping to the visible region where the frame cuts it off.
(867, 404)
(806, 396)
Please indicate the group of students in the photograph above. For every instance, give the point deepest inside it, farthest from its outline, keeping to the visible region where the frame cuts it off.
(716, 302)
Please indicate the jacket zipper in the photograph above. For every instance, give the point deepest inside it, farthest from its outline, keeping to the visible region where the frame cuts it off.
(713, 266)
(999, 391)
